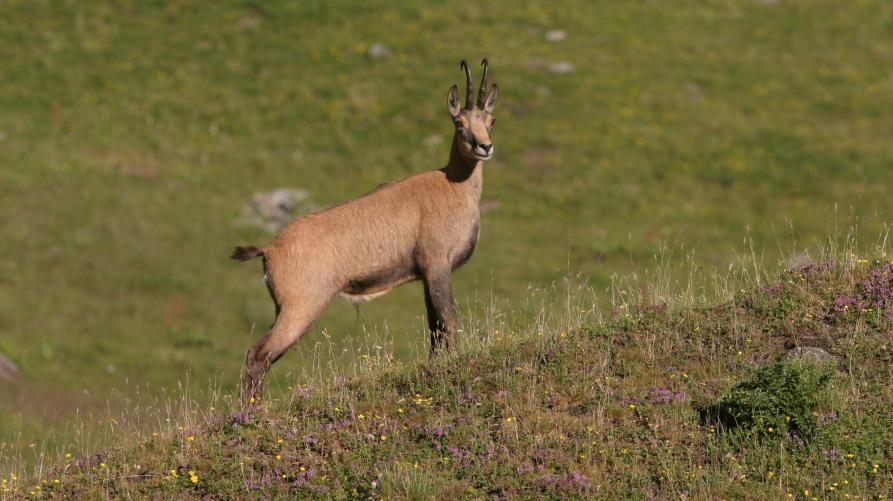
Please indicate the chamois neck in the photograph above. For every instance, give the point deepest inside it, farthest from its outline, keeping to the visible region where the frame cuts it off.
(464, 170)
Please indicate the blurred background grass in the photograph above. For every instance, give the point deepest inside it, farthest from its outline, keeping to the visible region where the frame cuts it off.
(132, 132)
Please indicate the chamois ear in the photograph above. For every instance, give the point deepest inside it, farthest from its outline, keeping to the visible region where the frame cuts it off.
(492, 97)
(453, 103)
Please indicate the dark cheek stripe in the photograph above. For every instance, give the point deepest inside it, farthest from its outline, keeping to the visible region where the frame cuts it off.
(467, 136)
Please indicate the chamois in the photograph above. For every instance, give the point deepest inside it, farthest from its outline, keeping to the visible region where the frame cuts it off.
(422, 227)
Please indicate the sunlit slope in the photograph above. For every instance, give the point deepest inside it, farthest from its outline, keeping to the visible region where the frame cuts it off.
(132, 133)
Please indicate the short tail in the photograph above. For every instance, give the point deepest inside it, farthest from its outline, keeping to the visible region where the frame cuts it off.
(246, 253)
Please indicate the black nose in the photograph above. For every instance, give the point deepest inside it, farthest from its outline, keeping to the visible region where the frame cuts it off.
(486, 147)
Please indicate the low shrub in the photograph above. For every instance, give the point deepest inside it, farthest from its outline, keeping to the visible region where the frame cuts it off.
(776, 399)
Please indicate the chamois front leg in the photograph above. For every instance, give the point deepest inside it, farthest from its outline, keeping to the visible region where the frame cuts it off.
(441, 310)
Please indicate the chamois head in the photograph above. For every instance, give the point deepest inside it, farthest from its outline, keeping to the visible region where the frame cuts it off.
(474, 123)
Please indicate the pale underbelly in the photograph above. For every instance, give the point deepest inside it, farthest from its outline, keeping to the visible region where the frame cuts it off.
(363, 298)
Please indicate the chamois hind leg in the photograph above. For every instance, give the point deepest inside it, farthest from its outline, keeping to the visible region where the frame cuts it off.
(292, 322)
(441, 310)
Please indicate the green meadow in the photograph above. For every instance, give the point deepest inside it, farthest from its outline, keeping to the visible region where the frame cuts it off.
(132, 133)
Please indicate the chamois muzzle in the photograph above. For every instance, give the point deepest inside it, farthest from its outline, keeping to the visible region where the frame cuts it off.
(483, 151)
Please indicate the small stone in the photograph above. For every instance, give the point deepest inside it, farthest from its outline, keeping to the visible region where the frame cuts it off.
(812, 354)
(555, 35)
(8, 370)
(251, 22)
(798, 261)
(379, 51)
(433, 140)
(560, 67)
(693, 90)
(273, 210)
(488, 206)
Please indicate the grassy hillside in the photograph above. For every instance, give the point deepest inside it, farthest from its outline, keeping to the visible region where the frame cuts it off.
(644, 402)
(131, 133)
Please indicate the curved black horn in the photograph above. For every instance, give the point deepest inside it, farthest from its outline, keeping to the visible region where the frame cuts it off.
(482, 92)
(469, 88)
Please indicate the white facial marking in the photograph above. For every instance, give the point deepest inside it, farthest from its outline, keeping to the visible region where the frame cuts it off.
(483, 154)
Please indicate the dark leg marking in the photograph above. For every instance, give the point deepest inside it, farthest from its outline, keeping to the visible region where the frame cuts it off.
(441, 311)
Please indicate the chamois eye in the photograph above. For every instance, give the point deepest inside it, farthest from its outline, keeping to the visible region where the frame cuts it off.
(492, 122)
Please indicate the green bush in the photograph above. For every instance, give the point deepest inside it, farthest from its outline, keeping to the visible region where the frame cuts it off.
(777, 398)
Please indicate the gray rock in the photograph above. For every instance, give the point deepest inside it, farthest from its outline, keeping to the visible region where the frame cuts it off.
(560, 67)
(694, 91)
(555, 35)
(812, 354)
(272, 210)
(8, 370)
(433, 140)
(797, 261)
(489, 206)
(379, 51)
